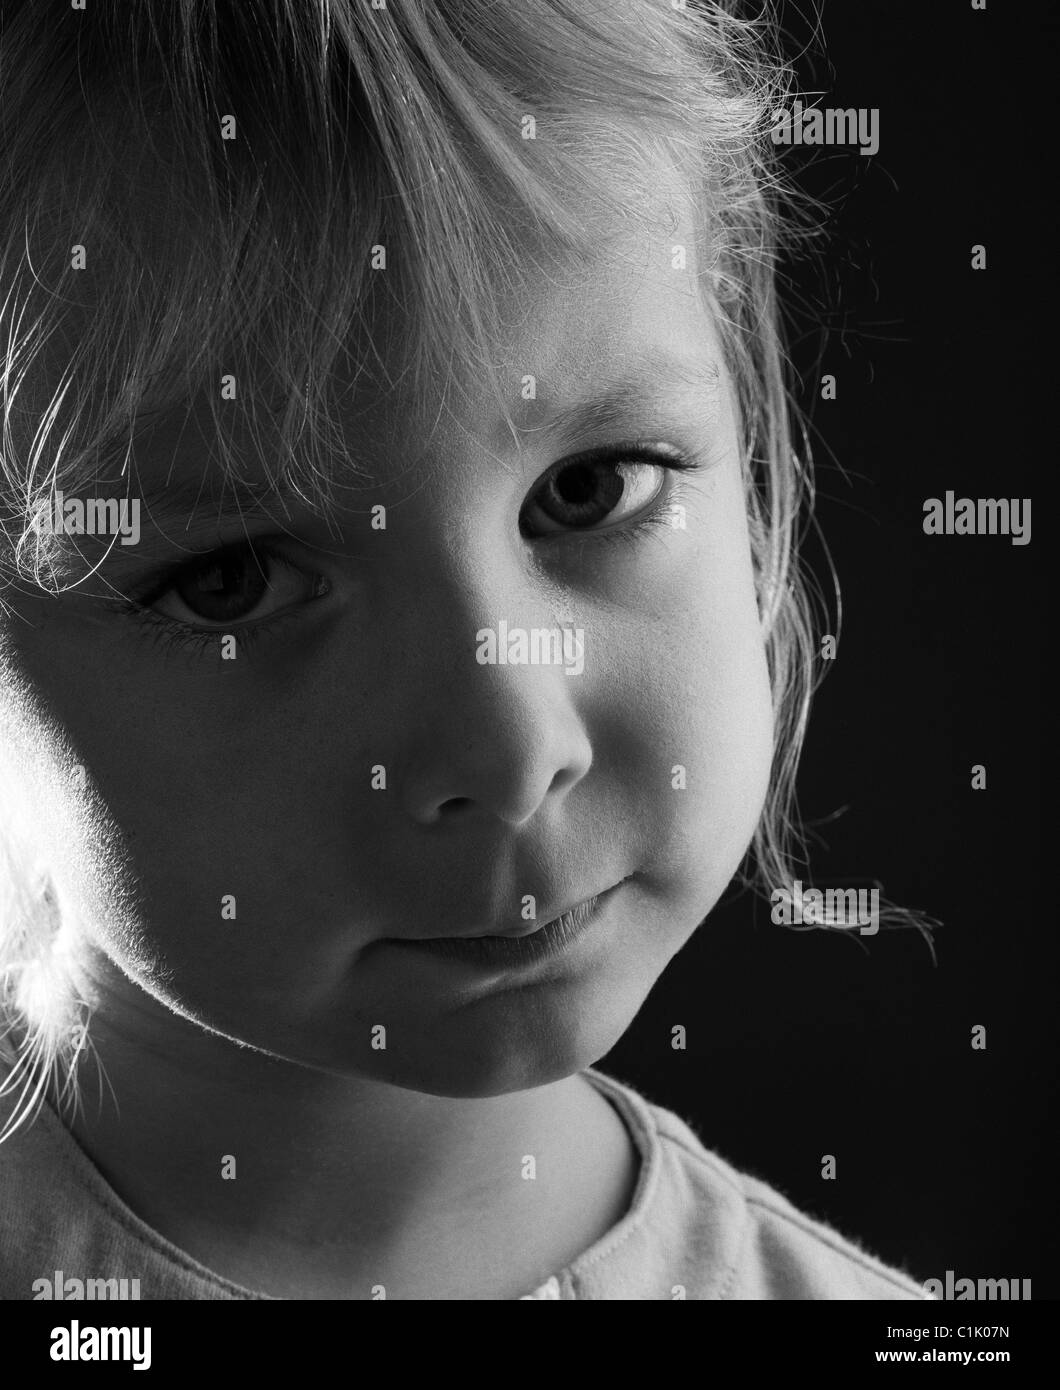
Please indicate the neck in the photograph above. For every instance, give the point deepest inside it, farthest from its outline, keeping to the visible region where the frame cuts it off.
(297, 1182)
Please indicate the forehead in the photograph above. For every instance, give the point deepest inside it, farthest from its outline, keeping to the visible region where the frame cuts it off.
(626, 325)
(628, 317)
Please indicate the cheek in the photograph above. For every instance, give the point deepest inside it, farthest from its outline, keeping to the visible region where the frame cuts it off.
(707, 736)
(202, 818)
(693, 719)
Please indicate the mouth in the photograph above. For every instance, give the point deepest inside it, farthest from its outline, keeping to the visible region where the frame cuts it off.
(539, 942)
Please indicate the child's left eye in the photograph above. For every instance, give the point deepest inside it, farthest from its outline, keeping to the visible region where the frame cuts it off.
(616, 485)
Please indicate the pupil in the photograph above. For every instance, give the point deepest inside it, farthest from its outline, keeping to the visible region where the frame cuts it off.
(220, 577)
(576, 485)
(226, 588)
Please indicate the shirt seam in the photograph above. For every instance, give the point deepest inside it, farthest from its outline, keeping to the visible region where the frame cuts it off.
(644, 1124)
(641, 1125)
(727, 1287)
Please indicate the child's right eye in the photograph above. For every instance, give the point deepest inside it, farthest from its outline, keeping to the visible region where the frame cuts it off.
(243, 583)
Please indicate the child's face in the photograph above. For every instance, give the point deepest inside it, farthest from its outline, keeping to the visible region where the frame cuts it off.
(252, 778)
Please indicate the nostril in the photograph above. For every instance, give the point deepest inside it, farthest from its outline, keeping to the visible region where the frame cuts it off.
(565, 777)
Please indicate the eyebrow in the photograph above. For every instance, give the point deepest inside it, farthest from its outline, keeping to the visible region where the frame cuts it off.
(198, 504)
(640, 392)
(200, 508)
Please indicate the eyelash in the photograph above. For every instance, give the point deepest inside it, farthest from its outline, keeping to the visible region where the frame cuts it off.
(675, 463)
(168, 632)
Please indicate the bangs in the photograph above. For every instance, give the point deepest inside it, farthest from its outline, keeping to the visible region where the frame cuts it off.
(391, 172)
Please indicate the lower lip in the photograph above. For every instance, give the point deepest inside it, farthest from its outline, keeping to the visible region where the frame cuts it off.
(546, 943)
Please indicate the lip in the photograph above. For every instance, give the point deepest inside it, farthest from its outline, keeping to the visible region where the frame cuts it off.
(540, 943)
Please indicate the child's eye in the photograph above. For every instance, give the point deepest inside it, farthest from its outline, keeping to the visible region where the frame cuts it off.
(239, 583)
(615, 485)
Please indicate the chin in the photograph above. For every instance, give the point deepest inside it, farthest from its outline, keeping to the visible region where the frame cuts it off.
(493, 1051)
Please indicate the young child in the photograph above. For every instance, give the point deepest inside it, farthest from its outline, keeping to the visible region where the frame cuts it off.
(401, 643)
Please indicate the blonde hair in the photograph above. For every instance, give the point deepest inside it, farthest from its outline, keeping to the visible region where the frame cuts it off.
(358, 128)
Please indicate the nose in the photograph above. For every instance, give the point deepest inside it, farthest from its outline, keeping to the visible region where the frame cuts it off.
(493, 738)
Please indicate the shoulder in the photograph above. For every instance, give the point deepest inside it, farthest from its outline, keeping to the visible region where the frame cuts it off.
(54, 1218)
(784, 1253)
(64, 1232)
(35, 1203)
(699, 1228)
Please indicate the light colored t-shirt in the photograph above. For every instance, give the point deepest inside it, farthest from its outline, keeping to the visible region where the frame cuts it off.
(696, 1228)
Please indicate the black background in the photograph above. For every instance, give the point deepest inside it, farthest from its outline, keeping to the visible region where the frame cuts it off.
(802, 1044)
